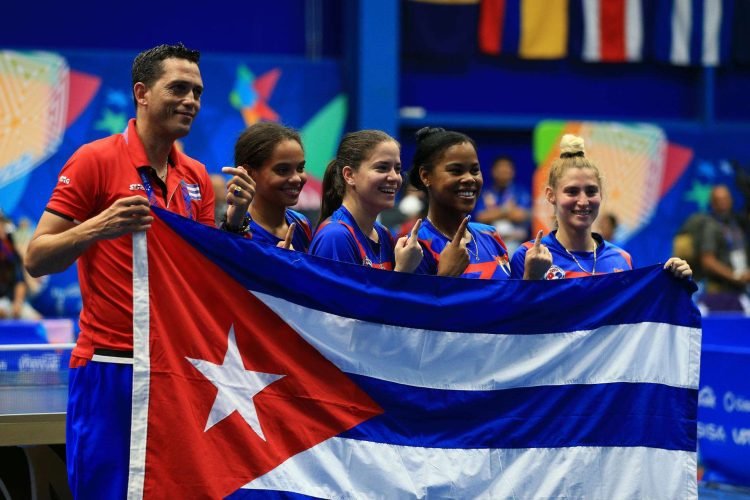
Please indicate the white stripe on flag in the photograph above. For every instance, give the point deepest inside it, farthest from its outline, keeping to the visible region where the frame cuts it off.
(711, 32)
(644, 352)
(633, 30)
(682, 21)
(343, 468)
(591, 30)
(141, 367)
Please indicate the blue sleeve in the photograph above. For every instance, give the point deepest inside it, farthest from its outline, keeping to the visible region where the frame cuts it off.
(428, 265)
(518, 263)
(334, 241)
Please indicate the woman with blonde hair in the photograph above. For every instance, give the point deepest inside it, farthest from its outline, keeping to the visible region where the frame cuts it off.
(572, 250)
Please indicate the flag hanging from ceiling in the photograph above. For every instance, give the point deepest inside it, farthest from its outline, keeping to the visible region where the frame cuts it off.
(692, 32)
(261, 370)
(528, 29)
(613, 30)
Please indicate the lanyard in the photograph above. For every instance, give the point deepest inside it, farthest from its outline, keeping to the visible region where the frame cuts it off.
(143, 172)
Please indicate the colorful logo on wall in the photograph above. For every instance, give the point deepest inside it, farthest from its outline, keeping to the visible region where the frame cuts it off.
(251, 95)
(39, 98)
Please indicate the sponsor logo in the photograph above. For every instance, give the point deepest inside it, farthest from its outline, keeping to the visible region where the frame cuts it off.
(137, 187)
(43, 363)
(711, 432)
(707, 398)
(64, 180)
(733, 402)
(554, 273)
(741, 436)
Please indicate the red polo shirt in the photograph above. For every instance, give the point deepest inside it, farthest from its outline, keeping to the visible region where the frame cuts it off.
(96, 176)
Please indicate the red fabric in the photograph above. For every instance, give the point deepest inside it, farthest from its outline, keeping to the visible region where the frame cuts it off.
(96, 176)
(612, 30)
(311, 403)
(491, 18)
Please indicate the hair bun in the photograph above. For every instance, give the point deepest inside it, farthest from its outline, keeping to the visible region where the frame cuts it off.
(571, 145)
(425, 132)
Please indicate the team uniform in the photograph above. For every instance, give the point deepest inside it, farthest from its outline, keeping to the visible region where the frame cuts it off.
(339, 238)
(300, 239)
(488, 257)
(609, 259)
(100, 385)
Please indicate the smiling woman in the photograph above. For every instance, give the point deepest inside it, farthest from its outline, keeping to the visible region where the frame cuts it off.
(275, 160)
(358, 184)
(447, 168)
(573, 250)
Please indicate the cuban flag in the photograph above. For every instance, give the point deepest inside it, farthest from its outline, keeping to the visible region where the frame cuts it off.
(260, 371)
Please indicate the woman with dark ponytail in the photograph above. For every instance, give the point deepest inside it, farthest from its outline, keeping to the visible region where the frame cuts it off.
(358, 184)
(446, 167)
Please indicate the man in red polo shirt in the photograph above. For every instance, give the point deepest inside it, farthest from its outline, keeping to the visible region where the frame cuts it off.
(103, 196)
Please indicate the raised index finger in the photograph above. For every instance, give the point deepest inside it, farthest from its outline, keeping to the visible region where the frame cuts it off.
(460, 232)
(538, 240)
(415, 228)
(289, 234)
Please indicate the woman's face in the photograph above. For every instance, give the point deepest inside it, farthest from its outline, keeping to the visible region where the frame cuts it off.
(281, 178)
(378, 178)
(576, 198)
(455, 180)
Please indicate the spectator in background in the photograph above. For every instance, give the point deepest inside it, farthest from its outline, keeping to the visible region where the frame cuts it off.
(723, 250)
(505, 205)
(607, 226)
(13, 288)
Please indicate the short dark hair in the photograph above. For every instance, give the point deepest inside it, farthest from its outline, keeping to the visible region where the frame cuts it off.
(257, 142)
(147, 66)
(432, 143)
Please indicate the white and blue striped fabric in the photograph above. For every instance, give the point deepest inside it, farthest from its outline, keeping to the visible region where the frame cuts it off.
(489, 389)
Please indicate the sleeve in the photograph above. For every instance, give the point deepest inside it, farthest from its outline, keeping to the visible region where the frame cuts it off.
(428, 265)
(205, 213)
(518, 263)
(709, 241)
(78, 189)
(334, 241)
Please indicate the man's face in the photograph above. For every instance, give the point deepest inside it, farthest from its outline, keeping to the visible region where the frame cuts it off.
(721, 200)
(171, 104)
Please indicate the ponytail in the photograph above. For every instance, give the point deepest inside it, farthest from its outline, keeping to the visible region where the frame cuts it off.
(333, 190)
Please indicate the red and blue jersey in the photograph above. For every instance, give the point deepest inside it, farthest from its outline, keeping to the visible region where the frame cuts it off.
(339, 238)
(609, 259)
(300, 239)
(488, 257)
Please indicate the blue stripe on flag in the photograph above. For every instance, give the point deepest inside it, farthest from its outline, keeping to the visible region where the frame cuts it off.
(696, 32)
(636, 415)
(511, 28)
(380, 297)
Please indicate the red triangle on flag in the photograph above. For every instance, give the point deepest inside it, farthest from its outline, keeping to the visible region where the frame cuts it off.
(194, 304)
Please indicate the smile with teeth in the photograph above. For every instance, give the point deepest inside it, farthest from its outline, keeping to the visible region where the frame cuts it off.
(387, 190)
(466, 193)
(582, 211)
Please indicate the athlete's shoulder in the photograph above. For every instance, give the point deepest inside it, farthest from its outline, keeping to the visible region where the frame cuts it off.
(481, 227)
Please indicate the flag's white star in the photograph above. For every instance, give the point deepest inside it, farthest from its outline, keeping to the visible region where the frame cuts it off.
(237, 386)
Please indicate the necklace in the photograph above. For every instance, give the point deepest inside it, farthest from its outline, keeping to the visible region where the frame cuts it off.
(593, 269)
(468, 247)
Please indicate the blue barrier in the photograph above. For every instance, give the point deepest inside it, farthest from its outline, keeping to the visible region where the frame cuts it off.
(724, 400)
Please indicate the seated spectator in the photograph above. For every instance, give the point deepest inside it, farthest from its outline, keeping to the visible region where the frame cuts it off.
(505, 205)
(13, 287)
(723, 251)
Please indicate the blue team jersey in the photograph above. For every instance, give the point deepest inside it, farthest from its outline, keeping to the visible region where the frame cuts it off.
(339, 238)
(300, 239)
(609, 259)
(513, 193)
(488, 258)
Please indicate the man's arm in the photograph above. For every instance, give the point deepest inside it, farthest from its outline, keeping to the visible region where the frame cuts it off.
(58, 242)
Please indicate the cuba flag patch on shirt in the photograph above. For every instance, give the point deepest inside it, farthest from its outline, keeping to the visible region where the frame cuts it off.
(194, 191)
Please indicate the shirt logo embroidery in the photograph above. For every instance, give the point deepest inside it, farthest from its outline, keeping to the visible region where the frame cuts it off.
(137, 187)
(64, 180)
